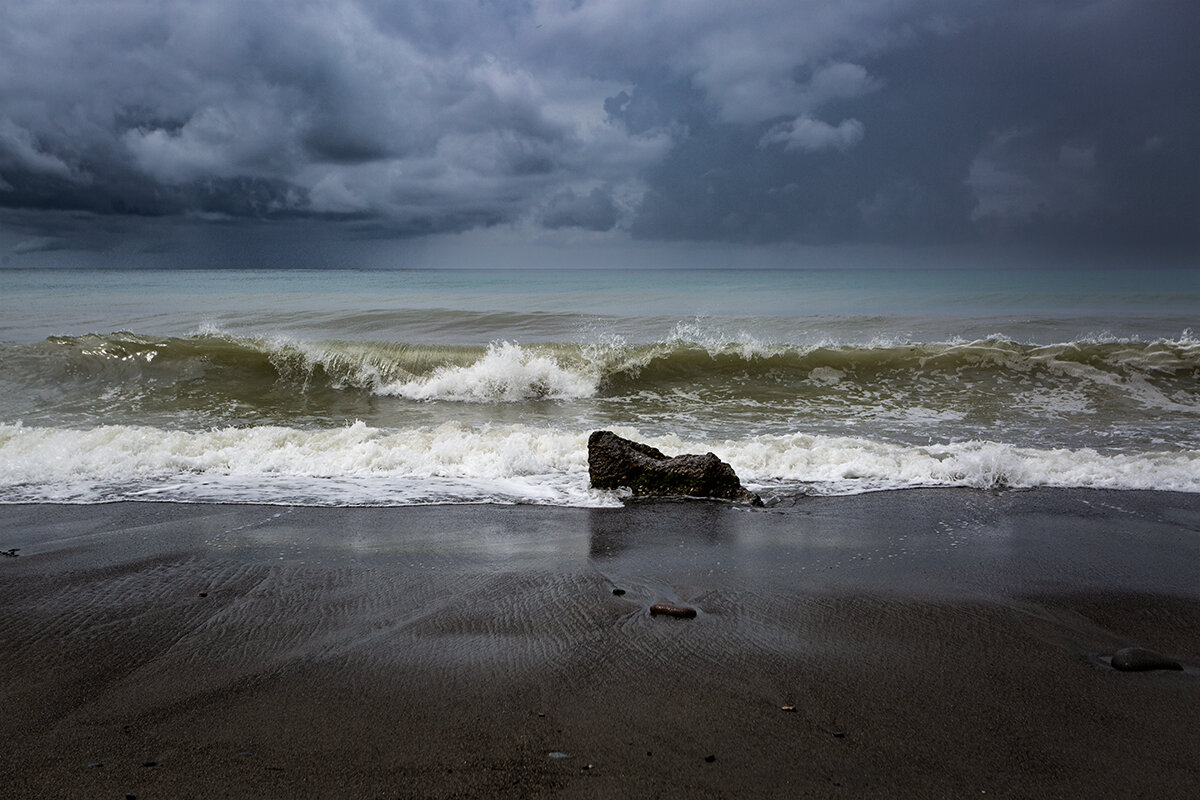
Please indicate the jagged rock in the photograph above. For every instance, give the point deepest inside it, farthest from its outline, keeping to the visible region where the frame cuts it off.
(1138, 659)
(614, 462)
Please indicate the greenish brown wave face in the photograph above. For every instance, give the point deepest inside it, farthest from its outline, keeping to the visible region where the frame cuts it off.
(1095, 394)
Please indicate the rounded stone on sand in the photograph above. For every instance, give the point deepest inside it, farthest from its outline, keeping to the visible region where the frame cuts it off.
(672, 610)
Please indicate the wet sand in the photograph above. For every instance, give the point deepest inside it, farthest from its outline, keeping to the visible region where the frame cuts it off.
(931, 643)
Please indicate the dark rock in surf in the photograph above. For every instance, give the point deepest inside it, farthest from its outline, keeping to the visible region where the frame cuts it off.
(1138, 659)
(614, 462)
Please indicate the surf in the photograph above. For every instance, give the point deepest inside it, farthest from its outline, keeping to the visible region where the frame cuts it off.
(455, 463)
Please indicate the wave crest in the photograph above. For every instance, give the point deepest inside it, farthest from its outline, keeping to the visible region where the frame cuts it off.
(224, 369)
(505, 373)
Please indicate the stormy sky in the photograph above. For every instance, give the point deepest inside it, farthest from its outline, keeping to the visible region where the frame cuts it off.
(618, 132)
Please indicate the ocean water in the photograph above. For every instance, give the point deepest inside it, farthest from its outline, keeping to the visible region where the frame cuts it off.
(413, 387)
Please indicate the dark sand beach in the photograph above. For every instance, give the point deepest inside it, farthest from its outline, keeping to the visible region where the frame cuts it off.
(944, 643)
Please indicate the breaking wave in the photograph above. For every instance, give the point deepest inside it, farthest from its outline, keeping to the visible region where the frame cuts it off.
(505, 373)
(455, 463)
(1166, 372)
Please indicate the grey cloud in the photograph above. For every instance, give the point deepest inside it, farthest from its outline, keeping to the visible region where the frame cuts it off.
(38, 244)
(931, 121)
(1152, 144)
(1087, 85)
(840, 80)
(743, 58)
(261, 109)
(593, 211)
(806, 133)
(1012, 180)
(19, 151)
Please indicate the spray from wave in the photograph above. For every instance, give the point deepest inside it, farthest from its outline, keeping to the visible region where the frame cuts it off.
(506, 373)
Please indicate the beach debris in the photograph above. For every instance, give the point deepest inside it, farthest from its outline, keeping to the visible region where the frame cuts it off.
(204, 594)
(672, 610)
(788, 708)
(1139, 659)
(614, 462)
(558, 754)
(710, 758)
(95, 765)
(618, 592)
(10, 552)
(839, 734)
(149, 763)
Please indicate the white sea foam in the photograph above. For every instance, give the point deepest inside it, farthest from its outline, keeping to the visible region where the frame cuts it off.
(839, 465)
(506, 373)
(355, 465)
(454, 463)
(826, 376)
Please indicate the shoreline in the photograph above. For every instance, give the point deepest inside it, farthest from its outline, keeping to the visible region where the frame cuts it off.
(932, 642)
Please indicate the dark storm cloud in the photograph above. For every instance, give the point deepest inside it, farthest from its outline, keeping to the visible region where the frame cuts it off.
(869, 121)
(424, 116)
(1038, 121)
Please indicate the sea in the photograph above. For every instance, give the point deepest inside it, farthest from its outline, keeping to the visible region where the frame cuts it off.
(395, 387)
